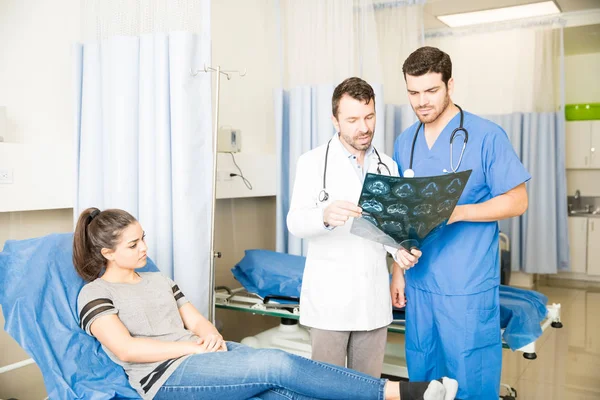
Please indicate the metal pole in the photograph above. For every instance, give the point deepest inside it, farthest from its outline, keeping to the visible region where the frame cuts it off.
(212, 253)
(16, 365)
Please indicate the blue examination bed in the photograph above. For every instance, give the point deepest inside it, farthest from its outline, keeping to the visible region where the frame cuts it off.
(39, 301)
(276, 275)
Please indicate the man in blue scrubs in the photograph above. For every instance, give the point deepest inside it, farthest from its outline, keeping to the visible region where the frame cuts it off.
(453, 306)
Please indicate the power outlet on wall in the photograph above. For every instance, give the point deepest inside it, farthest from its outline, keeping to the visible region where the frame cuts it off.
(6, 176)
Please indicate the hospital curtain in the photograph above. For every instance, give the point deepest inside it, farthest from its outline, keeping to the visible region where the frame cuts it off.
(143, 131)
(321, 44)
(512, 75)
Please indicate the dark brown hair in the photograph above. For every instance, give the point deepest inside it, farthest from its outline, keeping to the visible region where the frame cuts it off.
(428, 59)
(354, 87)
(96, 230)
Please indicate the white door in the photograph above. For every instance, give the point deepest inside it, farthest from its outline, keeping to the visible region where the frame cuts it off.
(593, 247)
(578, 227)
(595, 145)
(578, 144)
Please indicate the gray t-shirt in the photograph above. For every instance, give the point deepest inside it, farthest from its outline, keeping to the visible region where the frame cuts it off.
(148, 309)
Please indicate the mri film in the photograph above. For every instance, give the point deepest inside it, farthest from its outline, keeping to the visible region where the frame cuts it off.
(404, 212)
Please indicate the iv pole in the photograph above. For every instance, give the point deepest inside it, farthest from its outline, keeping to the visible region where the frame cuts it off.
(214, 254)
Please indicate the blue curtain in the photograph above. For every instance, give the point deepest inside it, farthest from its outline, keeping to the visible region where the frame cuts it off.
(539, 239)
(144, 144)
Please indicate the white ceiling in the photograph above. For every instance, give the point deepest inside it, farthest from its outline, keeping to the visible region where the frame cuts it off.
(443, 7)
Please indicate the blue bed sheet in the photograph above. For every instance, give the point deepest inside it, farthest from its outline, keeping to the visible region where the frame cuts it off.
(271, 273)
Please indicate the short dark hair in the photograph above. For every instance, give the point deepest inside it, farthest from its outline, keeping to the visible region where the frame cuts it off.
(428, 59)
(354, 87)
(96, 230)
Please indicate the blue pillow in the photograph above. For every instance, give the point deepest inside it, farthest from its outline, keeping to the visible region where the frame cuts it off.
(268, 272)
(39, 288)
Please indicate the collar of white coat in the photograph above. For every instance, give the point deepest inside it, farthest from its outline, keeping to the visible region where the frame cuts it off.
(336, 138)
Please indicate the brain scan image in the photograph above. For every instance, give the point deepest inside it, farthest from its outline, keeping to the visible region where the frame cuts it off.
(378, 187)
(397, 209)
(404, 190)
(454, 186)
(422, 209)
(372, 206)
(445, 205)
(430, 190)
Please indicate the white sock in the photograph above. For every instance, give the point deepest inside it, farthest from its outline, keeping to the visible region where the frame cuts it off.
(435, 391)
(451, 386)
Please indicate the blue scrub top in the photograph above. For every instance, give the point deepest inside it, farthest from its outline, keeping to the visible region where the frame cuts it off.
(464, 258)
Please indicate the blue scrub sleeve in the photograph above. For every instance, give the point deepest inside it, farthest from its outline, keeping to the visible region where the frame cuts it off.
(503, 168)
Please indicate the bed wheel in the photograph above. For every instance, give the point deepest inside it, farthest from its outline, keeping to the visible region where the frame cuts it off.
(530, 356)
(511, 393)
(556, 324)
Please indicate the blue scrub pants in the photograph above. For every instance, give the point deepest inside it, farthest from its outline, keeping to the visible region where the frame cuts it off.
(458, 337)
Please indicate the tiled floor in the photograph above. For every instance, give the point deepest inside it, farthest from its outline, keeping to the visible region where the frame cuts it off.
(568, 359)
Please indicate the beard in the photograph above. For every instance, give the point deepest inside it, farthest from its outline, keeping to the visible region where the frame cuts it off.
(434, 115)
(357, 142)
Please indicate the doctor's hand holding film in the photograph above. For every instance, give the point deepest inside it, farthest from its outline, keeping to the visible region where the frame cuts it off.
(406, 260)
(338, 212)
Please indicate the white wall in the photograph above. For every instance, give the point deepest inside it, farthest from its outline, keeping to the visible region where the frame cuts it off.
(42, 176)
(244, 36)
(36, 87)
(36, 68)
(582, 79)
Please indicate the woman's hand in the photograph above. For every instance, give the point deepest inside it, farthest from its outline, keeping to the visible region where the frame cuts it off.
(212, 343)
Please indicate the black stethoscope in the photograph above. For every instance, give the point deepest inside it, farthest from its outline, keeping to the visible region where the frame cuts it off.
(323, 195)
(410, 173)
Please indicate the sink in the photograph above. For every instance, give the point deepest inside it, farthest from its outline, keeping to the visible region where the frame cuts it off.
(585, 212)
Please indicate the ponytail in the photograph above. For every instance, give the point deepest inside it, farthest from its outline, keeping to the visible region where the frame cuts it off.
(94, 231)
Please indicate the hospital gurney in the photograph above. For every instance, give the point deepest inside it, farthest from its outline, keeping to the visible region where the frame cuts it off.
(38, 298)
(271, 286)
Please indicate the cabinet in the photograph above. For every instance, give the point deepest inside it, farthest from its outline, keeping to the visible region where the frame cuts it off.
(593, 247)
(583, 144)
(584, 245)
(595, 149)
(578, 240)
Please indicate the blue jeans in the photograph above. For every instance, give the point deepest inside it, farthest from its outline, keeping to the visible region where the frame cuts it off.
(244, 372)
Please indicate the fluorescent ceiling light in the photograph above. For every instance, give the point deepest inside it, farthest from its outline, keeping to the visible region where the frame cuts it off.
(500, 14)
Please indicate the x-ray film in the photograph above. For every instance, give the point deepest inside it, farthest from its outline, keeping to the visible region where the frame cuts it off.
(406, 212)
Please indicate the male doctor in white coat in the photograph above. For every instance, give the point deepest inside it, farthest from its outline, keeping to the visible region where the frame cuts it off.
(345, 297)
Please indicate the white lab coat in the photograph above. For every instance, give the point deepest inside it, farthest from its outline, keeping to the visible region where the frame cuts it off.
(346, 283)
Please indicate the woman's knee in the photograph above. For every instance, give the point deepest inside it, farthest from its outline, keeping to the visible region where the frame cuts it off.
(276, 360)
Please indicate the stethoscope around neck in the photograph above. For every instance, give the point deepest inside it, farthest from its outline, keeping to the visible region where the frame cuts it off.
(323, 195)
(410, 173)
